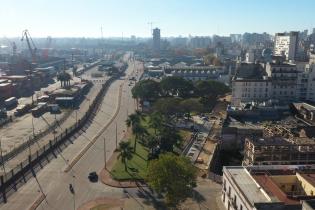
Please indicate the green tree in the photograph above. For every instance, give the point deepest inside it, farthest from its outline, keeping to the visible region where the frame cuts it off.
(173, 175)
(211, 59)
(168, 138)
(156, 121)
(211, 88)
(176, 86)
(125, 152)
(152, 141)
(146, 90)
(190, 105)
(139, 132)
(134, 121)
(64, 79)
(167, 106)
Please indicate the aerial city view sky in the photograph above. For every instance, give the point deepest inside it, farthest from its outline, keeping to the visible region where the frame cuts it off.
(78, 18)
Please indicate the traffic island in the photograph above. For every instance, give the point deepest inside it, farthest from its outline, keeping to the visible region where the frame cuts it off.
(114, 174)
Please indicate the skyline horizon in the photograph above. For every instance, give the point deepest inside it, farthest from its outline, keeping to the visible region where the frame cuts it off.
(310, 30)
(78, 18)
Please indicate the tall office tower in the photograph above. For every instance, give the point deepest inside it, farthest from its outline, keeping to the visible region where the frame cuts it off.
(156, 39)
(286, 45)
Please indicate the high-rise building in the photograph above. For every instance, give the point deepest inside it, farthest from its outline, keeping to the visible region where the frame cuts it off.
(200, 42)
(156, 39)
(286, 45)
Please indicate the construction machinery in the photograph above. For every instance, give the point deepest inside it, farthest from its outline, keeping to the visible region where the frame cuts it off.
(30, 44)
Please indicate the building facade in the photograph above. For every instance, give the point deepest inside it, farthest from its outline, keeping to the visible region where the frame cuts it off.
(156, 40)
(278, 151)
(250, 83)
(286, 45)
(268, 187)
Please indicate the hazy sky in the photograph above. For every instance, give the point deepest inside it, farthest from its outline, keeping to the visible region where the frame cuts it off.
(84, 18)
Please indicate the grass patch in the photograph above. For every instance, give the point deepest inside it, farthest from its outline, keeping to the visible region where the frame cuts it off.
(137, 166)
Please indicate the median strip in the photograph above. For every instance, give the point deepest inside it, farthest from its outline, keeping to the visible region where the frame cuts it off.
(87, 147)
(37, 202)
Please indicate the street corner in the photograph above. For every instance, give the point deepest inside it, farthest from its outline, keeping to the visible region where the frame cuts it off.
(103, 203)
(106, 179)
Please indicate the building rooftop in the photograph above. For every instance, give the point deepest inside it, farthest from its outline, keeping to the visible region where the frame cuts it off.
(280, 141)
(250, 71)
(270, 187)
(246, 184)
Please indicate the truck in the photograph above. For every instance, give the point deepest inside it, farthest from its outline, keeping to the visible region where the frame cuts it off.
(3, 113)
(22, 109)
(11, 102)
(40, 109)
(54, 109)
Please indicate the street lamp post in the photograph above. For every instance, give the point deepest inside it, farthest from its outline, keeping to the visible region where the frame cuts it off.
(33, 126)
(116, 134)
(104, 152)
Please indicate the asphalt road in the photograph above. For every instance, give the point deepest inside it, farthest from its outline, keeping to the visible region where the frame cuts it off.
(55, 182)
(19, 133)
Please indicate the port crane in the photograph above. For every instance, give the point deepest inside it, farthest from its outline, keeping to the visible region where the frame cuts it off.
(30, 44)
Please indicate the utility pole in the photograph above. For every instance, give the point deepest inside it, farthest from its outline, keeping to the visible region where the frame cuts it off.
(73, 194)
(2, 158)
(76, 116)
(116, 135)
(33, 126)
(104, 152)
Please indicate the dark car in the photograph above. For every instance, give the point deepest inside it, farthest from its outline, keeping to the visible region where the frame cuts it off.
(93, 177)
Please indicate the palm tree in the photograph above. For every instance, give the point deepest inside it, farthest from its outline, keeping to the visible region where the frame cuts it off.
(125, 152)
(134, 119)
(156, 121)
(139, 131)
(64, 79)
(152, 142)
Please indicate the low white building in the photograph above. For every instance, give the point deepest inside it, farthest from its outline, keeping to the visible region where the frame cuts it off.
(250, 83)
(273, 187)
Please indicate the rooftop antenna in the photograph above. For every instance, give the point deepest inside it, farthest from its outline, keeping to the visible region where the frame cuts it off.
(102, 40)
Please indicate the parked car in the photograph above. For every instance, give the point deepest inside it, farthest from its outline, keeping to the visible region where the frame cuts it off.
(11, 102)
(93, 177)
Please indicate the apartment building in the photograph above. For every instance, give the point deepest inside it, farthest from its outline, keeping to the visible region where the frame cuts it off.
(250, 83)
(283, 78)
(280, 82)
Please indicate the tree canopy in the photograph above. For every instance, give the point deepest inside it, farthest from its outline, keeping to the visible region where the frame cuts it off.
(125, 152)
(167, 106)
(176, 86)
(173, 175)
(146, 90)
(206, 88)
(211, 59)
